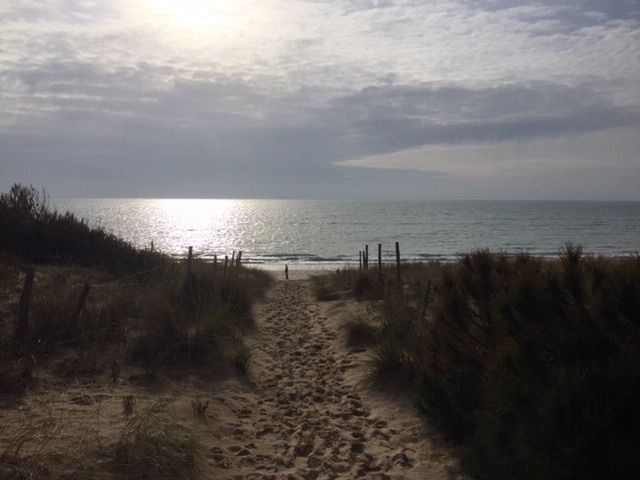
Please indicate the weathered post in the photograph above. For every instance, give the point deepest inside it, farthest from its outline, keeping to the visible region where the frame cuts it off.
(380, 263)
(366, 258)
(360, 260)
(233, 258)
(189, 260)
(398, 273)
(22, 326)
(83, 298)
(226, 262)
(239, 259)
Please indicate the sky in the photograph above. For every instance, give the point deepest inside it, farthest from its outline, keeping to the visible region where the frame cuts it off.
(434, 99)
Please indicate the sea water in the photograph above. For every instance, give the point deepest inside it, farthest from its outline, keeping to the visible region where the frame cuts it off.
(328, 233)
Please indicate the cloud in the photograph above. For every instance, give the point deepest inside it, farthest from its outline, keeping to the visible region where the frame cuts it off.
(268, 96)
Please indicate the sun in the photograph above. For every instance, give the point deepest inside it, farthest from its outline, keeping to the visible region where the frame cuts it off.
(192, 13)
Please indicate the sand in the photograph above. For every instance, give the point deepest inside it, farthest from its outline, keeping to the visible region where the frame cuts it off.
(310, 414)
(303, 412)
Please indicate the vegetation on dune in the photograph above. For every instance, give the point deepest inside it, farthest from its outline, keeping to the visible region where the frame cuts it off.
(104, 311)
(147, 445)
(152, 447)
(191, 323)
(533, 364)
(159, 317)
(33, 232)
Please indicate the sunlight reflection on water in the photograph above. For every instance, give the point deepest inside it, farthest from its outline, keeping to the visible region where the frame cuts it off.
(330, 233)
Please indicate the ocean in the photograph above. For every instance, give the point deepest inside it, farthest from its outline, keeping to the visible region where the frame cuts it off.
(329, 234)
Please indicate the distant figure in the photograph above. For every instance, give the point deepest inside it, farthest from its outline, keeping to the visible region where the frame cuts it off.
(286, 271)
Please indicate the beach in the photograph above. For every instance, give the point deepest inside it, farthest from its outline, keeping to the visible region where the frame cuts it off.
(120, 363)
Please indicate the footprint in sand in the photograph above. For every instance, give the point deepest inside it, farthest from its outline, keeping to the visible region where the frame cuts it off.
(304, 421)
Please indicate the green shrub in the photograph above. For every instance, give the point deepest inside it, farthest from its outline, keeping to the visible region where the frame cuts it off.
(531, 363)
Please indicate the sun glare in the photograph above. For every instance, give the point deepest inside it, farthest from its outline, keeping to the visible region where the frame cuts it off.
(193, 13)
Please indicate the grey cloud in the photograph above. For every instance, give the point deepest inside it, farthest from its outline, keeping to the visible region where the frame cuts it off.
(78, 108)
(242, 126)
(68, 11)
(571, 10)
(386, 119)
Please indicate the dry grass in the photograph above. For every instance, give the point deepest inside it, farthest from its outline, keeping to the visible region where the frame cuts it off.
(38, 447)
(148, 445)
(152, 447)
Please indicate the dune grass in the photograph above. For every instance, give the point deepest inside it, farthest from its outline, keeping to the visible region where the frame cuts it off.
(532, 364)
(146, 445)
(30, 230)
(159, 318)
(151, 447)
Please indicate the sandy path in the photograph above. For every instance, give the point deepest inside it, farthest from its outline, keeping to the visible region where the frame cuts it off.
(307, 418)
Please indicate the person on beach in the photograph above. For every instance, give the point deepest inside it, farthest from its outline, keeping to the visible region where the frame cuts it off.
(286, 271)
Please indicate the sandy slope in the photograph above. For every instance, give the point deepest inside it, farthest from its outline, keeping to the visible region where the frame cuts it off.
(309, 416)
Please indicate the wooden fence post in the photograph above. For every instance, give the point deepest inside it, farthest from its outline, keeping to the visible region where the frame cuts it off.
(189, 260)
(226, 262)
(239, 259)
(380, 263)
(366, 258)
(398, 273)
(359, 259)
(22, 326)
(83, 298)
(233, 258)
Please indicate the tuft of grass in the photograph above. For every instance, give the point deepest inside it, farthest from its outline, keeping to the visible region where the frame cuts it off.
(240, 358)
(128, 405)
(37, 449)
(199, 406)
(152, 448)
(359, 332)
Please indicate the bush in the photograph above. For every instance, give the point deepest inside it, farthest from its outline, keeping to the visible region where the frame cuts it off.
(33, 232)
(531, 363)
